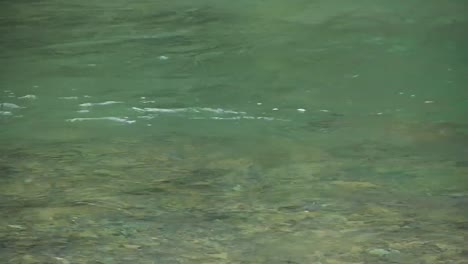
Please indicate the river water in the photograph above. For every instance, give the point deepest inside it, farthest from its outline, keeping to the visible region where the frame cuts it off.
(234, 131)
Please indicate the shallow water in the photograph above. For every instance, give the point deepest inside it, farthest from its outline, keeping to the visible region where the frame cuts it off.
(234, 132)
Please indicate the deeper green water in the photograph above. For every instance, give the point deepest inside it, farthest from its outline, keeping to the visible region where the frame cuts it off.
(206, 131)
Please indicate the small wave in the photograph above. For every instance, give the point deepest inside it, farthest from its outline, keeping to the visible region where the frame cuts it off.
(28, 96)
(189, 110)
(110, 118)
(163, 110)
(10, 106)
(222, 111)
(248, 117)
(200, 113)
(101, 103)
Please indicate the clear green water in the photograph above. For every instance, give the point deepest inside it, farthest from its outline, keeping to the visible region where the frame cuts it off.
(234, 131)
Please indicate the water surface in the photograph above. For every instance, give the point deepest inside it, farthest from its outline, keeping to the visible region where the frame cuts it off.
(233, 132)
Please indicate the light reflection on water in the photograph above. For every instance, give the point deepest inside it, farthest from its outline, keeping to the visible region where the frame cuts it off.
(239, 132)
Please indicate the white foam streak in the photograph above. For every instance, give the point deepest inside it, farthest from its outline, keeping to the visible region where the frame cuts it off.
(28, 96)
(102, 103)
(221, 111)
(188, 109)
(110, 118)
(10, 106)
(247, 117)
(203, 113)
